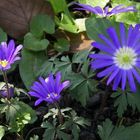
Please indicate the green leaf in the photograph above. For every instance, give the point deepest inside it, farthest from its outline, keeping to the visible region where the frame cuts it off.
(95, 2)
(109, 132)
(82, 84)
(62, 45)
(49, 132)
(40, 24)
(60, 6)
(34, 44)
(67, 23)
(44, 71)
(130, 18)
(64, 65)
(80, 56)
(62, 135)
(75, 131)
(121, 104)
(18, 114)
(3, 36)
(35, 137)
(2, 131)
(30, 65)
(96, 26)
(105, 130)
(81, 121)
(123, 100)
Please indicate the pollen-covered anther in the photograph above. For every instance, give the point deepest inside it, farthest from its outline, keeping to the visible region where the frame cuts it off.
(3, 63)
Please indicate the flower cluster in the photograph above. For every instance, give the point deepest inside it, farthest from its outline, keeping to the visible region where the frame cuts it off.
(8, 54)
(119, 56)
(105, 12)
(49, 89)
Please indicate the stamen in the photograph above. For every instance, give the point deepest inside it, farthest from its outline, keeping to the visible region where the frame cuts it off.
(3, 63)
(125, 58)
(48, 96)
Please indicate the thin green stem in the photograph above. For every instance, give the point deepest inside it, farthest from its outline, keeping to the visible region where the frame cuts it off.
(60, 116)
(6, 83)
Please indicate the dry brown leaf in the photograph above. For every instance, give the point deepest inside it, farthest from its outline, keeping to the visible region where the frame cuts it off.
(78, 41)
(15, 15)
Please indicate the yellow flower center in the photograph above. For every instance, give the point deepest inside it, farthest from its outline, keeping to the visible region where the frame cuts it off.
(3, 63)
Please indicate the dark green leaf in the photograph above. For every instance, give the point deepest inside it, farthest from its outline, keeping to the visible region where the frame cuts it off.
(96, 26)
(29, 65)
(121, 104)
(67, 23)
(62, 45)
(2, 131)
(40, 24)
(49, 134)
(34, 44)
(123, 100)
(109, 132)
(60, 6)
(3, 36)
(80, 56)
(19, 114)
(62, 135)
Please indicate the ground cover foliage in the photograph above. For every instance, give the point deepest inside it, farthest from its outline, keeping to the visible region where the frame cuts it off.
(61, 83)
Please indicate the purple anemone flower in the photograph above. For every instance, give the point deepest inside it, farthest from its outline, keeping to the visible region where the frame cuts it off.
(105, 12)
(49, 89)
(8, 54)
(3, 91)
(119, 57)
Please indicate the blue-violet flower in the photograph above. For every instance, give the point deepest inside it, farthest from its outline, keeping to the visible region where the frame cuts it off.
(105, 12)
(8, 54)
(119, 56)
(48, 89)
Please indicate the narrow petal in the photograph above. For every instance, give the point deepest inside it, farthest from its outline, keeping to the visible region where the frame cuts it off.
(129, 35)
(100, 56)
(123, 34)
(117, 81)
(35, 94)
(107, 41)
(38, 102)
(113, 35)
(112, 76)
(137, 76)
(131, 80)
(123, 79)
(103, 47)
(57, 81)
(107, 71)
(96, 10)
(100, 64)
(65, 84)
(15, 53)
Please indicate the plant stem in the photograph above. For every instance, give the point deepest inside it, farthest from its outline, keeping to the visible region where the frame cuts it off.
(60, 116)
(6, 83)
